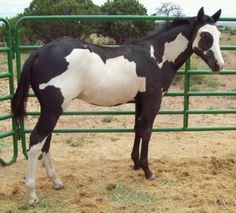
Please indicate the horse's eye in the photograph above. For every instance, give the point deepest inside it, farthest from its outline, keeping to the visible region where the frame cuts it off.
(203, 35)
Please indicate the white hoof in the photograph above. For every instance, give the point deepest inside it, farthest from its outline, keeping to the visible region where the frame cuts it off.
(33, 200)
(153, 177)
(58, 185)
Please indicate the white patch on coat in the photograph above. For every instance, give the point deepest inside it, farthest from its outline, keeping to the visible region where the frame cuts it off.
(88, 78)
(152, 51)
(212, 29)
(31, 173)
(174, 48)
(57, 184)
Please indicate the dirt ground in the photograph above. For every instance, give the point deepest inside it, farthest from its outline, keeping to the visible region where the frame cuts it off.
(196, 171)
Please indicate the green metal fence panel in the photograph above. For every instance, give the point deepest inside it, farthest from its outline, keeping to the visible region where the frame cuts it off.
(10, 77)
(186, 94)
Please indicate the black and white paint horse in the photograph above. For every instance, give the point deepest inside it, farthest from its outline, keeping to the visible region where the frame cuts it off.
(139, 71)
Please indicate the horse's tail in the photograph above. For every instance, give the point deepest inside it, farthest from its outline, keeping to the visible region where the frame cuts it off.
(19, 100)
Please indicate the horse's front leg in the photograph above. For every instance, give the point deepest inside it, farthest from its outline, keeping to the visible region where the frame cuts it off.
(149, 111)
(135, 150)
(146, 135)
(144, 157)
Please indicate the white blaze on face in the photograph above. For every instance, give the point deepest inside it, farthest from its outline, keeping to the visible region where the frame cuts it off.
(88, 78)
(212, 29)
(174, 48)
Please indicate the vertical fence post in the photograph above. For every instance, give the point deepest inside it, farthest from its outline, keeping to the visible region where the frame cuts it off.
(10, 55)
(10, 76)
(186, 96)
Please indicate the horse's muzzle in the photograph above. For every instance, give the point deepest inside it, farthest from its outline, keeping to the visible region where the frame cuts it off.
(217, 67)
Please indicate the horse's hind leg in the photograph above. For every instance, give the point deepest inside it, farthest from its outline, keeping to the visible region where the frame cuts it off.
(57, 184)
(33, 154)
(38, 139)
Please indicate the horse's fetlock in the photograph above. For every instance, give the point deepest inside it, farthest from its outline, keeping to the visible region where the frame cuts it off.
(30, 184)
(144, 164)
(51, 173)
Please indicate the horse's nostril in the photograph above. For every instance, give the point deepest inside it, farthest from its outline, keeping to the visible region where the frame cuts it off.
(219, 65)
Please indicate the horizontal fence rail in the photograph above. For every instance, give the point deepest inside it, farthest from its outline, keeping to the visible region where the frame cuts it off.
(9, 76)
(187, 72)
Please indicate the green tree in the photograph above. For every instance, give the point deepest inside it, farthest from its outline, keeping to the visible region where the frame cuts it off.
(2, 35)
(47, 31)
(123, 30)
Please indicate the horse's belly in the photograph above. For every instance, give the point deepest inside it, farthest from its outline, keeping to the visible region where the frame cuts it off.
(112, 93)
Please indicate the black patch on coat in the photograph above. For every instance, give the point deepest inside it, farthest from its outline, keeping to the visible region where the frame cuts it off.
(51, 60)
(206, 41)
(209, 58)
(106, 52)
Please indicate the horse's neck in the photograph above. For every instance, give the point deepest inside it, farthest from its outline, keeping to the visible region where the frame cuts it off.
(173, 46)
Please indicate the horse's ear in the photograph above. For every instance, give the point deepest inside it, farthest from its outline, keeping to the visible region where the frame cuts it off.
(216, 16)
(200, 14)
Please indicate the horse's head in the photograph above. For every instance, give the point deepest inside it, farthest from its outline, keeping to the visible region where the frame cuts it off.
(206, 40)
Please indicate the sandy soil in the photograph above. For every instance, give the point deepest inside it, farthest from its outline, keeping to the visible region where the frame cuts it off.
(196, 172)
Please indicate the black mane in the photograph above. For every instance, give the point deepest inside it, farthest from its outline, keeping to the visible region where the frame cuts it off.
(164, 27)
